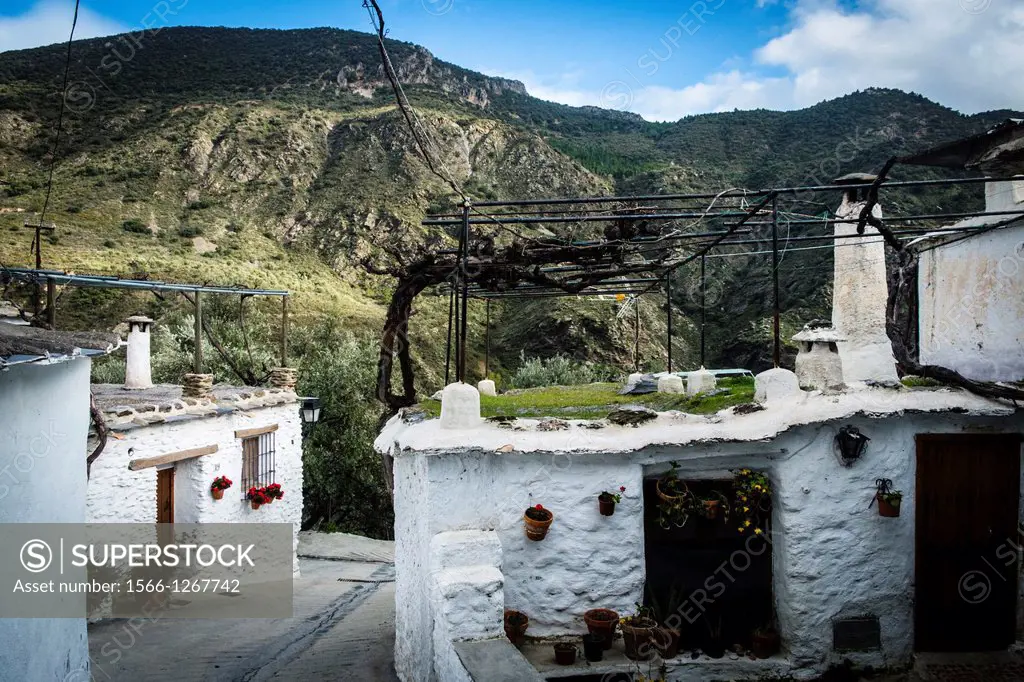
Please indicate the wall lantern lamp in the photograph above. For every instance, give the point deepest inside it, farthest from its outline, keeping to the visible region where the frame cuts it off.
(310, 410)
(851, 443)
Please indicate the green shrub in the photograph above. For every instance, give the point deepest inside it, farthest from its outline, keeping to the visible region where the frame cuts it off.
(110, 244)
(190, 231)
(199, 205)
(135, 226)
(558, 371)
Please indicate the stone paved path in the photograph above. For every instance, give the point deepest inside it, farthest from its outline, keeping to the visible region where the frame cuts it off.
(342, 630)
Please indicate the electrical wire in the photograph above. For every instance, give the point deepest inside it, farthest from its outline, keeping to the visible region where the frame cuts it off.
(60, 118)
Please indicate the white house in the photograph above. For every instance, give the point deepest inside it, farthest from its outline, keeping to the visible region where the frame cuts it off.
(44, 410)
(971, 290)
(172, 442)
(835, 578)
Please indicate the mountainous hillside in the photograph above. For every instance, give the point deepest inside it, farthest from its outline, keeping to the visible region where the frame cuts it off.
(277, 158)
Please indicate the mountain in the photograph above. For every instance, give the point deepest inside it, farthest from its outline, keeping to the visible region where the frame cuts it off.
(277, 158)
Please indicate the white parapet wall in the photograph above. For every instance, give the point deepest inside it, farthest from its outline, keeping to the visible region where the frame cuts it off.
(833, 556)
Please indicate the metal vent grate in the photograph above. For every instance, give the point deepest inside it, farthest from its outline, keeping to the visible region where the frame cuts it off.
(857, 634)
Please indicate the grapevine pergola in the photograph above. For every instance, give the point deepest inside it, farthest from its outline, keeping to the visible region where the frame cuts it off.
(628, 245)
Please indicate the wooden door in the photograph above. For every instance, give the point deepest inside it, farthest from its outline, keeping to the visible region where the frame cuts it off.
(165, 495)
(968, 489)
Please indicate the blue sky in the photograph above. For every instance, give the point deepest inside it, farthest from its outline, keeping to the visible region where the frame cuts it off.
(658, 58)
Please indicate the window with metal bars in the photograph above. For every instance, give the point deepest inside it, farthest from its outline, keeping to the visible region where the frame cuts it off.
(257, 461)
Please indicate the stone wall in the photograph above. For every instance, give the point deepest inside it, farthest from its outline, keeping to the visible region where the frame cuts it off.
(834, 557)
(118, 495)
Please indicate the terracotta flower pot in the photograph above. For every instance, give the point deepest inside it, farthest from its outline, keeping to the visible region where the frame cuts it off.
(606, 505)
(537, 523)
(666, 641)
(665, 497)
(565, 653)
(602, 622)
(886, 509)
(711, 509)
(217, 493)
(255, 504)
(637, 634)
(516, 623)
(765, 643)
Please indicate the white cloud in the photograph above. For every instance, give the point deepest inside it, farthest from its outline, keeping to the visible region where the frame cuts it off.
(49, 22)
(962, 53)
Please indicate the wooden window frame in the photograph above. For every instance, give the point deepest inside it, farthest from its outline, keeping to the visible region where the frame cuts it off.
(259, 458)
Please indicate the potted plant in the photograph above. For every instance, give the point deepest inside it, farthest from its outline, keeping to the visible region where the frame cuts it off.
(219, 485)
(537, 520)
(637, 632)
(712, 507)
(516, 623)
(666, 642)
(765, 642)
(714, 647)
(753, 500)
(257, 497)
(606, 501)
(593, 647)
(602, 622)
(675, 499)
(889, 500)
(274, 491)
(565, 653)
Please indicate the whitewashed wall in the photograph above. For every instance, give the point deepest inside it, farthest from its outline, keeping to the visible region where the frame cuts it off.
(45, 417)
(834, 557)
(972, 305)
(118, 495)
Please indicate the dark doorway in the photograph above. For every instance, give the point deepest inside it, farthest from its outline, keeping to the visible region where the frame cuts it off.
(717, 579)
(165, 495)
(968, 490)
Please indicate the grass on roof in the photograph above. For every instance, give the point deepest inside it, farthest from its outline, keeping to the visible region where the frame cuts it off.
(596, 401)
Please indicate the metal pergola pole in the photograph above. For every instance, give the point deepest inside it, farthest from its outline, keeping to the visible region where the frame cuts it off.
(51, 302)
(465, 290)
(284, 331)
(776, 326)
(703, 310)
(668, 299)
(448, 348)
(487, 340)
(197, 359)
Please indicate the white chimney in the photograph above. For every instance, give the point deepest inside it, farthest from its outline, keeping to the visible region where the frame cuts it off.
(860, 292)
(137, 372)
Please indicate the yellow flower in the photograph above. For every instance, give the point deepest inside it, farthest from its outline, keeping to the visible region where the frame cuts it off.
(743, 498)
(746, 524)
(746, 509)
(757, 487)
(740, 529)
(758, 531)
(745, 471)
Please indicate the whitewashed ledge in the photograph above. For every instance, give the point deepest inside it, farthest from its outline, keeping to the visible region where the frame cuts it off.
(124, 408)
(677, 428)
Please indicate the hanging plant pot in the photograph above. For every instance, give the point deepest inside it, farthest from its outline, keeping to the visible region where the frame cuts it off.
(606, 504)
(565, 653)
(602, 622)
(712, 509)
(889, 500)
(676, 500)
(255, 504)
(537, 520)
(219, 485)
(887, 508)
(516, 623)
(217, 493)
(637, 633)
